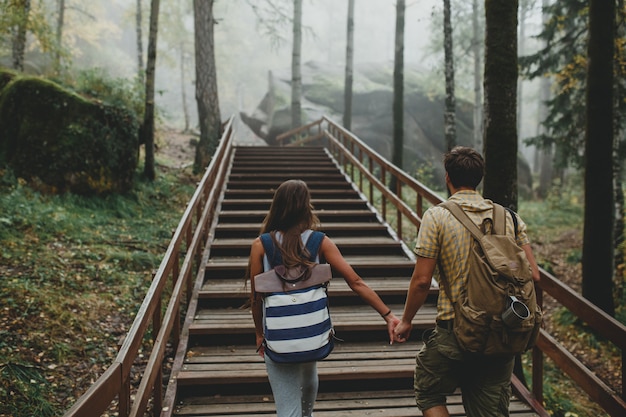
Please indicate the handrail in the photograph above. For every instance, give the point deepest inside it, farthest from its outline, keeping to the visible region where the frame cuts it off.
(345, 146)
(115, 381)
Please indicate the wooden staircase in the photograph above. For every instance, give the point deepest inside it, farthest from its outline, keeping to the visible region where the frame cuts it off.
(222, 375)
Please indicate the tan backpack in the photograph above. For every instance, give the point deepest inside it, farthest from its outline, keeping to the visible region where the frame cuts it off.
(496, 313)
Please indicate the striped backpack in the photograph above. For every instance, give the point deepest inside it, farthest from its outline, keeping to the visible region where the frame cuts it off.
(297, 323)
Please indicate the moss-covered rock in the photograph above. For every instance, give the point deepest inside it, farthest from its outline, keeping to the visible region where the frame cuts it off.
(64, 142)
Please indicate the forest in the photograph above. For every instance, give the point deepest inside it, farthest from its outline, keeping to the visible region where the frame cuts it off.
(110, 112)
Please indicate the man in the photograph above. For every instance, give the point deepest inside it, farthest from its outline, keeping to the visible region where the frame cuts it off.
(441, 366)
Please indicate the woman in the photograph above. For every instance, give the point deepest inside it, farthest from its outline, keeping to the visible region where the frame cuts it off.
(291, 216)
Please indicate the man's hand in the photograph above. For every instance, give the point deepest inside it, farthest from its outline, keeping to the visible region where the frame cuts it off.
(402, 331)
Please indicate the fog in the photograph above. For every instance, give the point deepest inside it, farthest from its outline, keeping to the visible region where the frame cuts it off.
(102, 34)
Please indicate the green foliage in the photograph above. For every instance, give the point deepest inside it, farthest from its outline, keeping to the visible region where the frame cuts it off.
(23, 391)
(564, 57)
(65, 142)
(98, 84)
(73, 270)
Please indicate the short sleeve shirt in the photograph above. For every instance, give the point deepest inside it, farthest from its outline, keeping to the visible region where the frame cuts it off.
(442, 237)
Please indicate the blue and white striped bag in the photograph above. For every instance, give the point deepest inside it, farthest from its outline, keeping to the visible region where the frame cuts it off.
(297, 323)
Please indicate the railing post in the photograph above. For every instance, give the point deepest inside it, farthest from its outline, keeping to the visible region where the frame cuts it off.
(123, 397)
(537, 358)
(157, 393)
(383, 198)
(371, 168)
(398, 212)
(360, 172)
(175, 274)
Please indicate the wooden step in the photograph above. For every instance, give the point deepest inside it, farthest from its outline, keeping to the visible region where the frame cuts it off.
(365, 266)
(288, 167)
(346, 318)
(247, 216)
(268, 194)
(318, 204)
(334, 230)
(348, 361)
(272, 184)
(375, 245)
(383, 403)
(385, 286)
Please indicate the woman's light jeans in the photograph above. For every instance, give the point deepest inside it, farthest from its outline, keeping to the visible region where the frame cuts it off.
(294, 386)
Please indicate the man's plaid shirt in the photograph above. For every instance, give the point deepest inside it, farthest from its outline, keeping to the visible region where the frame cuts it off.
(443, 237)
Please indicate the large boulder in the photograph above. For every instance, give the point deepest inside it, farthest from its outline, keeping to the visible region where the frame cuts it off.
(372, 117)
(62, 141)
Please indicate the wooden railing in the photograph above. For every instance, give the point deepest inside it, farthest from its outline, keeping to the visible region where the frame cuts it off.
(164, 326)
(371, 171)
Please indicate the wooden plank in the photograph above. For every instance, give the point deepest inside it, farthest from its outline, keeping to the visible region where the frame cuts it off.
(379, 403)
(229, 288)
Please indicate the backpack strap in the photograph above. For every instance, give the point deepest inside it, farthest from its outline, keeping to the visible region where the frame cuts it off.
(463, 218)
(514, 217)
(274, 257)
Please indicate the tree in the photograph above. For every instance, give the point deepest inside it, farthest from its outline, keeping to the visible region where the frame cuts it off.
(449, 112)
(500, 136)
(59, 35)
(349, 78)
(598, 229)
(398, 87)
(139, 34)
(296, 73)
(19, 33)
(146, 131)
(545, 152)
(206, 84)
(478, 91)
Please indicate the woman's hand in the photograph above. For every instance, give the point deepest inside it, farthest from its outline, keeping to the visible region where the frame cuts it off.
(260, 345)
(392, 322)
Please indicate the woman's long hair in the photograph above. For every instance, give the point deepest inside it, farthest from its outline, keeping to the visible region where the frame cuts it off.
(291, 213)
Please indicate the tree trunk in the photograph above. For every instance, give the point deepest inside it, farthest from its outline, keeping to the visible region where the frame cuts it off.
(599, 202)
(183, 88)
(520, 83)
(618, 184)
(449, 117)
(546, 172)
(347, 95)
(398, 87)
(478, 87)
(545, 153)
(500, 135)
(138, 30)
(147, 127)
(59, 35)
(206, 84)
(19, 34)
(296, 75)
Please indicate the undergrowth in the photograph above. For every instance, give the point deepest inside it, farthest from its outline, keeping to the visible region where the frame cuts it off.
(73, 271)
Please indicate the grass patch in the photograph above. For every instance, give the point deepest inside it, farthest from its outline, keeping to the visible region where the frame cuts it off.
(73, 271)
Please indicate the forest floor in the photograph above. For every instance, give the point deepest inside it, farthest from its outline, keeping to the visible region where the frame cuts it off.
(68, 375)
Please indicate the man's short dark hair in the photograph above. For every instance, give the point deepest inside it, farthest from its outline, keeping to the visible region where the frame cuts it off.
(465, 167)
